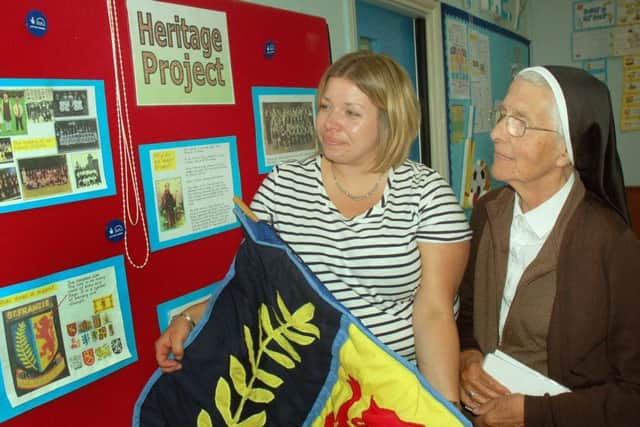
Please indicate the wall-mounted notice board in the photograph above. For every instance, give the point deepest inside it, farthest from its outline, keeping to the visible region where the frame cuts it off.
(80, 293)
(480, 62)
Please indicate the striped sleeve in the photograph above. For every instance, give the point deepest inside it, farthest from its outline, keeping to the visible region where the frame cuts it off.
(441, 217)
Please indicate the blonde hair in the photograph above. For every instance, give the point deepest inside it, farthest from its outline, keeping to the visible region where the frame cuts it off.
(389, 88)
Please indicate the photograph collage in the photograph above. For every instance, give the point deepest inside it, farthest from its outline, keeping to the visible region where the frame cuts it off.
(49, 143)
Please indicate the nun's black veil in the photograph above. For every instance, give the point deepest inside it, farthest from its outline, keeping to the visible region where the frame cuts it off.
(593, 135)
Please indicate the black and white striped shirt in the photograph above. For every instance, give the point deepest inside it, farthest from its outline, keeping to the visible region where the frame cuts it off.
(371, 262)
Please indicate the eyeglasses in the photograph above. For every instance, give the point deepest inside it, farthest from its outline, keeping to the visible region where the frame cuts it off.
(516, 127)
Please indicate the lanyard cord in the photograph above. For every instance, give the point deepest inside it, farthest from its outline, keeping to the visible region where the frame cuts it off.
(125, 142)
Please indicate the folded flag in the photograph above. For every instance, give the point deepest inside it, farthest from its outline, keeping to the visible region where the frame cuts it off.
(275, 348)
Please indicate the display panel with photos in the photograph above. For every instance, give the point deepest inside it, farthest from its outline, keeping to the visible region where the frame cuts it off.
(54, 143)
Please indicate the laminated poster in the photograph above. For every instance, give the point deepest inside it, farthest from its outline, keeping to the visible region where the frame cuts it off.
(54, 143)
(630, 117)
(61, 332)
(189, 188)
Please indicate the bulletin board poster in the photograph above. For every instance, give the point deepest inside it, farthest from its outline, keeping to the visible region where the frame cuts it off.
(54, 143)
(593, 14)
(597, 68)
(628, 12)
(181, 54)
(481, 59)
(63, 331)
(630, 117)
(189, 188)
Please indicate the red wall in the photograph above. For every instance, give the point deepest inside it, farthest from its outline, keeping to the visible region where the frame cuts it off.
(42, 241)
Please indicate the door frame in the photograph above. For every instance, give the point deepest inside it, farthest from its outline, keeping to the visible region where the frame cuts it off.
(429, 10)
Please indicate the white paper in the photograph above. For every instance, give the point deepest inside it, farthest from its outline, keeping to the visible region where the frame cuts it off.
(591, 44)
(458, 59)
(626, 40)
(480, 74)
(518, 377)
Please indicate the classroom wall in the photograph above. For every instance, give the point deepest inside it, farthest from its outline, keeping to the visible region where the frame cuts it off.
(337, 13)
(548, 25)
(341, 24)
(551, 24)
(340, 17)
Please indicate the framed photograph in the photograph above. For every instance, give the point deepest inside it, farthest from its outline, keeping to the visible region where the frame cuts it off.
(285, 124)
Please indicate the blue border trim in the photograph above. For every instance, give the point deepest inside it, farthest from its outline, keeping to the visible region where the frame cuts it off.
(105, 143)
(147, 183)
(6, 410)
(256, 93)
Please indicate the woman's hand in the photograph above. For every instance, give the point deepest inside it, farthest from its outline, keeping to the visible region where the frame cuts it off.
(172, 340)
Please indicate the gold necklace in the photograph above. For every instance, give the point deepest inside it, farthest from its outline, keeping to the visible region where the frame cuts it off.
(354, 197)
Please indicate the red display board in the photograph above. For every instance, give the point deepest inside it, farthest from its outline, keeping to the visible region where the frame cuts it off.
(41, 241)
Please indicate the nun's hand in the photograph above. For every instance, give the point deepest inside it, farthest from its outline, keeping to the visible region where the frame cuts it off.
(476, 385)
(501, 412)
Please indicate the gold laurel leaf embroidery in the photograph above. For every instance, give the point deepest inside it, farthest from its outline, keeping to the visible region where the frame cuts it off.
(260, 395)
(255, 420)
(271, 380)
(248, 340)
(223, 401)
(283, 308)
(298, 338)
(282, 359)
(293, 328)
(238, 375)
(265, 320)
(204, 419)
(283, 342)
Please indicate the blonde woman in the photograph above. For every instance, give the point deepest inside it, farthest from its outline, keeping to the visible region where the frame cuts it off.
(384, 234)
